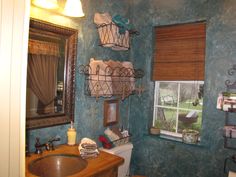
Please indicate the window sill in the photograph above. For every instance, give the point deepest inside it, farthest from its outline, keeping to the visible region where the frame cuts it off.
(173, 139)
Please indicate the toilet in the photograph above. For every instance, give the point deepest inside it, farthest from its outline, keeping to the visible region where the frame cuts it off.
(125, 152)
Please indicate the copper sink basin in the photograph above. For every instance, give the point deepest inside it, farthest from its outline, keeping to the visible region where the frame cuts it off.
(57, 165)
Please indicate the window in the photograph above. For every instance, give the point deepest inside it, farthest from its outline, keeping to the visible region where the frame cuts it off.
(178, 105)
(178, 72)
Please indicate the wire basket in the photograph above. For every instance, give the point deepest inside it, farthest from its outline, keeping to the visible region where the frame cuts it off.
(110, 37)
(113, 82)
(121, 141)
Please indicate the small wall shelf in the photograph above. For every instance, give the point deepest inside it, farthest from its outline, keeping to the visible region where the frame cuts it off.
(230, 87)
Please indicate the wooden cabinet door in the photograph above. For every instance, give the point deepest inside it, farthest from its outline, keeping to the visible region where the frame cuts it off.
(113, 172)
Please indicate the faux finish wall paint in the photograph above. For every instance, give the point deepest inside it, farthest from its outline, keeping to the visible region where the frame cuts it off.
(88, 112)
(155, 157)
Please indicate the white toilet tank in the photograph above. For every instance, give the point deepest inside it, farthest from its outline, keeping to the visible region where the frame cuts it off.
(125, 152)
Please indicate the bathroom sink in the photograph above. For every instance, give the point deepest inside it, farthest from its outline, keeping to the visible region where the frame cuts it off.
(57, 165)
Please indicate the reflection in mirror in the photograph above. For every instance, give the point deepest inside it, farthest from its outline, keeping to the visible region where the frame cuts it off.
(50, 74)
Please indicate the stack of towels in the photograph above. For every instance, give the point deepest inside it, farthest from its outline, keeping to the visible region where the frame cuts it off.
(103, 82)
(88, 148)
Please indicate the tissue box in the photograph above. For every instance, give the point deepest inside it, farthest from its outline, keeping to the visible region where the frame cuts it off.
(230, 131)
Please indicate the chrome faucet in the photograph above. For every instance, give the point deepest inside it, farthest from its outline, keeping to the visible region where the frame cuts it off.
(48, 146)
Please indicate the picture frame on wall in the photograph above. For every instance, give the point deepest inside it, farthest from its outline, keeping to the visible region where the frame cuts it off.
(111, 112)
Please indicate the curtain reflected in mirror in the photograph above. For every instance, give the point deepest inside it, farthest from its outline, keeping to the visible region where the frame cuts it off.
(50, 74)
(43, 60)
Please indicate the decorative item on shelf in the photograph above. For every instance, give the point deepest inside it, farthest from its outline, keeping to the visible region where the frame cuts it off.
(114, 32)
(190, 136)
(111, 78)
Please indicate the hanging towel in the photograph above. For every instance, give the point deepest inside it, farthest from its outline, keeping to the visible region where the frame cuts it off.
(100, 82)
(116, 80)
(129, 79)
(122, 33)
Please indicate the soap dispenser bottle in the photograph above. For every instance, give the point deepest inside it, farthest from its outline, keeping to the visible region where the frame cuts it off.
(71, 134)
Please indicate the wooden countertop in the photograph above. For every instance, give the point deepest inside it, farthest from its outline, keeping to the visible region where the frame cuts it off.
(103, 162)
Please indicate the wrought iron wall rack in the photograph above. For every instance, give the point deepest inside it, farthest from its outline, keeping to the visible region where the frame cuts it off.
(110, 36)
(118, 81)
(230, 87)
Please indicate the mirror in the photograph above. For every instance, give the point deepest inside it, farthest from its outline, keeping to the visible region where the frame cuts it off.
(52, 51)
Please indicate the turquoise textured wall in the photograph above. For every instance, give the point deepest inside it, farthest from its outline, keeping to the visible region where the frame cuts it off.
(88, 112)
(152, 156)
(156, 157)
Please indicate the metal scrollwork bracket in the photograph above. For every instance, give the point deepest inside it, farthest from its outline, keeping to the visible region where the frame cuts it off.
(229, 84)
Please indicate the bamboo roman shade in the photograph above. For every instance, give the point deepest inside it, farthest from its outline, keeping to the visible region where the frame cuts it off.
(179, 52)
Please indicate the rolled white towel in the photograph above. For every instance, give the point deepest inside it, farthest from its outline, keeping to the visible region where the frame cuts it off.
(89, 146)
(88, 151)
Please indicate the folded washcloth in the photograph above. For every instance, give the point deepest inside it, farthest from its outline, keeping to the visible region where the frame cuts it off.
(88, 148)
(87, 154)
(88, 151)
